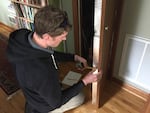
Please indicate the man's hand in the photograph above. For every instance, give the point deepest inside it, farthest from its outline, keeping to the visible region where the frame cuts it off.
(81, 60)
(90, 77)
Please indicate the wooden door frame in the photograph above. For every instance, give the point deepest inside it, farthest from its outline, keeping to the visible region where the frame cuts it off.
(76, 26)
(96, 88)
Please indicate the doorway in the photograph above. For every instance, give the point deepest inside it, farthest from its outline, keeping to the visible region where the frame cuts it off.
(83, 17)
(87, 28)
(108, 34)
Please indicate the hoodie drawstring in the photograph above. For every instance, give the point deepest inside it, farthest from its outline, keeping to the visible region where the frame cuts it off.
(54, 62)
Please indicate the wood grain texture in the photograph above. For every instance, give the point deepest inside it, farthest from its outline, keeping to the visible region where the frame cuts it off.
(5, 30)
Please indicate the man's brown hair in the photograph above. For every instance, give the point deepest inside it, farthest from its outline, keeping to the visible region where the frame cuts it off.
(51, 20)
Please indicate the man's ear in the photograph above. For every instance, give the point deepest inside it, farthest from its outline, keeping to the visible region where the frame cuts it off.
(46, 36)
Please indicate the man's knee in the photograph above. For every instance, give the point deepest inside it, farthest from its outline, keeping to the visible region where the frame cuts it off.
(72, 103)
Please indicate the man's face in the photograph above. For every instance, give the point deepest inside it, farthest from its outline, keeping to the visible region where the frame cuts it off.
(55, 41)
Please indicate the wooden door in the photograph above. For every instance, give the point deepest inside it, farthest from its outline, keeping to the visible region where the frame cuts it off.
(110, 20)
(109, 27)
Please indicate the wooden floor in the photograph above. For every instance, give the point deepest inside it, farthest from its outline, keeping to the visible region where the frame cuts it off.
(5, 30)
(115, 99)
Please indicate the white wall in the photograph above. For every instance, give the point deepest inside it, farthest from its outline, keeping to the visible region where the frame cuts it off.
(136, 18)
(136, 21)
(67, 6)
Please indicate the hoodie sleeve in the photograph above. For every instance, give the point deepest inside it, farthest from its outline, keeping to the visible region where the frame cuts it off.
(56, 97)
(63, 57)
(72, 91)
(48, 86)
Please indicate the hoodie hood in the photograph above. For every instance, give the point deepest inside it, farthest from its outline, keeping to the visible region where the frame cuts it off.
(20, 49)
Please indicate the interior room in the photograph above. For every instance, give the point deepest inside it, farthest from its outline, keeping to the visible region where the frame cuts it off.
(111, 34)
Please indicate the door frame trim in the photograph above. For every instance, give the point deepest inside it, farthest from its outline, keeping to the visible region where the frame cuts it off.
(76, 26)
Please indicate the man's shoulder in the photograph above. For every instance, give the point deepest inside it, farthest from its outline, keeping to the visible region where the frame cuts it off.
(19, 33)
(21, 30)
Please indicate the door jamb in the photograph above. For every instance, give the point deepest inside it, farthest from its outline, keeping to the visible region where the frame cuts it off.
(76, 26)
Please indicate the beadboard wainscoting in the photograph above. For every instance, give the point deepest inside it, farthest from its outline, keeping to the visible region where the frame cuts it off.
(135, 62)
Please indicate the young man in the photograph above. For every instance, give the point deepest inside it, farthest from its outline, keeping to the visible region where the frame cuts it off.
(35, 63)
